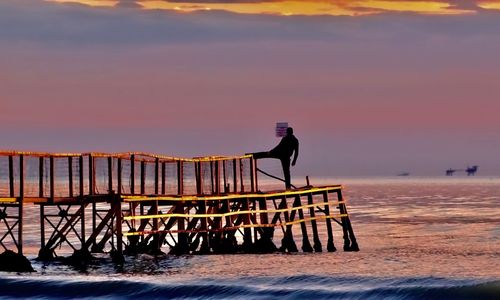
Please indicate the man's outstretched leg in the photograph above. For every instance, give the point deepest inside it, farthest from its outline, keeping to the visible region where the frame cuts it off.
(258, 155)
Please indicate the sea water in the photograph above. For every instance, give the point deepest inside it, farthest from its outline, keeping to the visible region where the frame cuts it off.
(420, 238)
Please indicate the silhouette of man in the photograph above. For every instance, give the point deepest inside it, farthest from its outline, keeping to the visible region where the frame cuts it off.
(288, 145)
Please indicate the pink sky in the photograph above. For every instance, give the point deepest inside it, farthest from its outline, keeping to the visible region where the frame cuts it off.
(372, 95)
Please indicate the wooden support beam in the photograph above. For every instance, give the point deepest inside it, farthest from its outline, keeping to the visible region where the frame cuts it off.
(21, 205)
(264, 217)
(11, 177)
(42, 226)
(241, 176)
(182, 237)
(118, 226)
(205, 245)
(163, 167)
(110, 175)
(119, 177)
(40, 177)
(198, 177)
(97, 229)
(143, 177)
(60, 234)
(217, 177)
(156, 236)
(330, 246)
(256, 174)
(52, 178)
(81, 175)
(224, 177)
(306, 245)
(212, 184)
(157, 176)
(252, 174)
(235, 177)
(351, 245)
(288, 243)
(91, 175)
(180, 178)
(317, 242)
(132, 174)
(82, 200)
(247, 232)
(70, 176)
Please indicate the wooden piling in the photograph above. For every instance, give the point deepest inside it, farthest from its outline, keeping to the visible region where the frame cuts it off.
(330, 246)
(314, 226)
(217, 177)
(163, 178)
(11, 177)
(182, 237)
(119, 235)
(205, 245)
(119, 177)
(52, 179)
(40, 176)
(70, 176)
(235, 177)
(350, 243)
(288, 244)
(143, 177)
(156, 244)
(256, 174)
(224, 177)
(212, 184)
(81, 176)
(247, 232)
(91, 175)
(242, 188)
(82, 200)
(21, 205)
(252, 176)
(132, 174)
(110, 175)
(157, 176)
(306, 245)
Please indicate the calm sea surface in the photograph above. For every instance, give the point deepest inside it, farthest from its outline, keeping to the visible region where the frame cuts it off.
(420, 238)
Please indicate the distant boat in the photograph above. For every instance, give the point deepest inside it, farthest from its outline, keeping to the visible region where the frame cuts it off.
(450, 172)
(404, 174)
(471, 171)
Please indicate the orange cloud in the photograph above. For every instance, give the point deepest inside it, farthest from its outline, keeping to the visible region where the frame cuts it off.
(295, 7)
(489, 4)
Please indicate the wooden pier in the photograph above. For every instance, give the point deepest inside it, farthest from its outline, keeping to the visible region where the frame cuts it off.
(129, 203)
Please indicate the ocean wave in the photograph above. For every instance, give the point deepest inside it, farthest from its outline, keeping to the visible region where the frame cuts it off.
(295, 287)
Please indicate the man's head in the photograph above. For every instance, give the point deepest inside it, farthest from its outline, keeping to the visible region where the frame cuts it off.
(289, 131)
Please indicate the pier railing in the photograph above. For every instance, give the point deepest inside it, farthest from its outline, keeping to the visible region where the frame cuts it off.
(36, 176)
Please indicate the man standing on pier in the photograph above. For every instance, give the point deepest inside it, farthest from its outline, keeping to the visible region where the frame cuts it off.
(289, 145)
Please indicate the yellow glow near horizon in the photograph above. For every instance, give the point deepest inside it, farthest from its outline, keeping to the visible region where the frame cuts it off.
(308, 8)
(276, 8)
(422, 7)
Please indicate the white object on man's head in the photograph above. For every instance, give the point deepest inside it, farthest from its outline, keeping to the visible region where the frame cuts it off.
(281, 129)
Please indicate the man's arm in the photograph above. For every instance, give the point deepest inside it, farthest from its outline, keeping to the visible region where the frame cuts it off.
(295, 154)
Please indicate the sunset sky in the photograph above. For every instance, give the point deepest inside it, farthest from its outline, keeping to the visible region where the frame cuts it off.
(371, 87)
